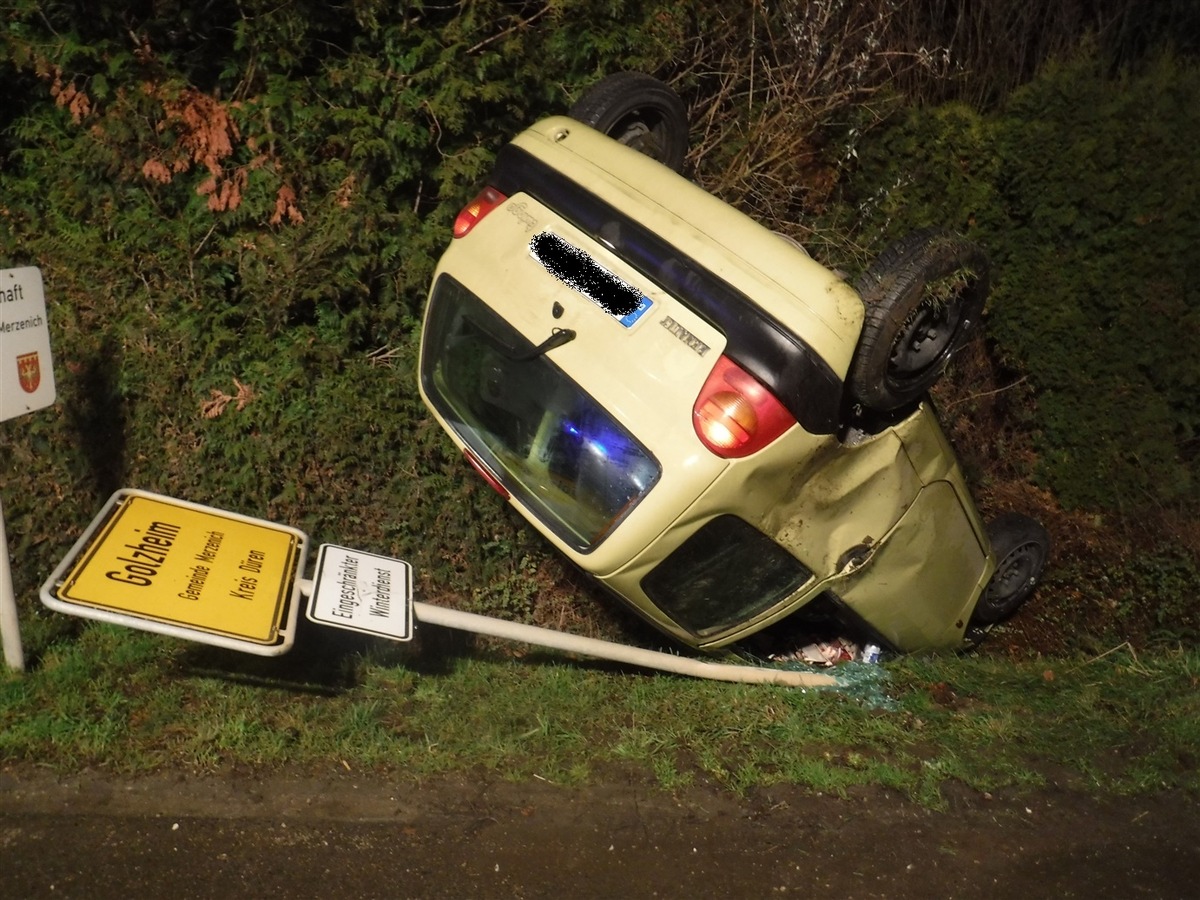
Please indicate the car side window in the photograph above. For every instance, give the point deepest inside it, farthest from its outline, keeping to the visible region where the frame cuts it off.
(726, 572)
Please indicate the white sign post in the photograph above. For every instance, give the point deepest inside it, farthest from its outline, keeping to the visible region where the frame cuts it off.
(10, 629)
(26, 384)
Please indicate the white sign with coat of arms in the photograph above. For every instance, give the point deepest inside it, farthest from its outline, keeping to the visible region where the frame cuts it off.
(26, 370)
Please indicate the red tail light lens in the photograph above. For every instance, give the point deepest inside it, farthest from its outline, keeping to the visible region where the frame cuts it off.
(735, 415)
(479, 466)
(472, 214)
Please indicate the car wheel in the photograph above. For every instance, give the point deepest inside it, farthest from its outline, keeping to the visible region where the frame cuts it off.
(637, 110)
(923, 296)
(1021, 546)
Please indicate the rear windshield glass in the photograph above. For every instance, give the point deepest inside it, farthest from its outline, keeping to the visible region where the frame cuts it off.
(552, 446)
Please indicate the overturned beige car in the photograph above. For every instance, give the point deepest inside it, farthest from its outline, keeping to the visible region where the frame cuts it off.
(714, 426)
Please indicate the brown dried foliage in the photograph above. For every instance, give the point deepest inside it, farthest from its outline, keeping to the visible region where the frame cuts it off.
(78, 103)
(285, 207)
(205, 134)
(219, 400)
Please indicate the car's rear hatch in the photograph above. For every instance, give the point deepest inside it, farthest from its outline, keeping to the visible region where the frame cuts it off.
(587, 433)
(560, 352)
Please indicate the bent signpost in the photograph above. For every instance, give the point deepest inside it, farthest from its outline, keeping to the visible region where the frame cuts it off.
(165, 565)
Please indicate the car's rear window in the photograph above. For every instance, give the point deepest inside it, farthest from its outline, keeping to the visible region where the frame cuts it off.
(551, 444)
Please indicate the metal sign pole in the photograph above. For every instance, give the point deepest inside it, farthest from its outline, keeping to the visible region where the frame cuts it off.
(10, 630)
(25, 354)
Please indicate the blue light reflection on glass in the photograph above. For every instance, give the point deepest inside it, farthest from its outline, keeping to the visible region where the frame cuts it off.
(607, 447)
(599, 441)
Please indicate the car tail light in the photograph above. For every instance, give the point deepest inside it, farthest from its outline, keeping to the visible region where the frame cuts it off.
(735, 415)
(472, 214)
(488, 475)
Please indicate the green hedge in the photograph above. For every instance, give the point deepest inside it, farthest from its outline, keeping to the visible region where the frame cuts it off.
(237, 220)
(1084, 188)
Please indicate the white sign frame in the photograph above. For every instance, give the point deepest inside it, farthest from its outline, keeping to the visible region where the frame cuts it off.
(381, 604)
(26, 364)
(287, 626)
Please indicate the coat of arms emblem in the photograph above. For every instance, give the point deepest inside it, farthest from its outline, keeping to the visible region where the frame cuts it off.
(29, 369)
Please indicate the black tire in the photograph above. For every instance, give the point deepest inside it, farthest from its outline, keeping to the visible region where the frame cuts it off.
(639, 111)
(1021, 546)
(924, 296)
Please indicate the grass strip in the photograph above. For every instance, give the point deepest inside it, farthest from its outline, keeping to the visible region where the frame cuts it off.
(132, 702)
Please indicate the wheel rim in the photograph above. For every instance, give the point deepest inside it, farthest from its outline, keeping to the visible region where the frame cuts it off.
(643, 131)
(1017, 572)
(923, 341)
